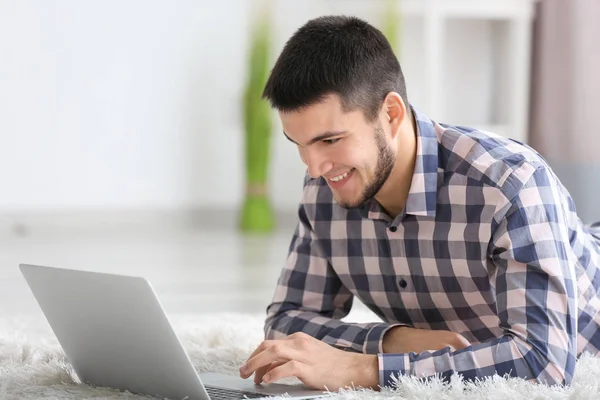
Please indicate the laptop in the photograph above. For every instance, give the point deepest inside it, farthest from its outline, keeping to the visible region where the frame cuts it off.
(116, 334)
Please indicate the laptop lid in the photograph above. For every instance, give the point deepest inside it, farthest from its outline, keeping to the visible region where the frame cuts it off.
(114, 331)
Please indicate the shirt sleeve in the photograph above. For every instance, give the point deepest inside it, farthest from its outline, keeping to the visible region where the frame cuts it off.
(535, 286)
(311, 298)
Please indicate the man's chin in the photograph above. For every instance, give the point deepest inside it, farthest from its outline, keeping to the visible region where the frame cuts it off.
(348, 203)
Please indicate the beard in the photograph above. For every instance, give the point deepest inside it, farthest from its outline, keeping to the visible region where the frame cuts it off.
(385, 164)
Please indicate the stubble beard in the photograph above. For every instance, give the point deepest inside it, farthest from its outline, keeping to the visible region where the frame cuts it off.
(385, 164)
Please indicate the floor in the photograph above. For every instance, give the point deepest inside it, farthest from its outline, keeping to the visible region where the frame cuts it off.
(192, 270)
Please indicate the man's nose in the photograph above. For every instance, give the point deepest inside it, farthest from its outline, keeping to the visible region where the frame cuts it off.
(316, 162)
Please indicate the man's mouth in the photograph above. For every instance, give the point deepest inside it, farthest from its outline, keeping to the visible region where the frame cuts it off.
(339, 180)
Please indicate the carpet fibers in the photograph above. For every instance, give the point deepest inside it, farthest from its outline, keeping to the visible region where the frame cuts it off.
(33, 365)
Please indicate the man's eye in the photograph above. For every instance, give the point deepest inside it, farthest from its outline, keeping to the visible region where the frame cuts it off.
(331, 141)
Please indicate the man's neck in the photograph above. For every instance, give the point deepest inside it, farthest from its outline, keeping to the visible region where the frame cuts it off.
(394, 193)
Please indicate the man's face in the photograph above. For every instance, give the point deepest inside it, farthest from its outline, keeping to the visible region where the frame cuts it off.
(350, 153)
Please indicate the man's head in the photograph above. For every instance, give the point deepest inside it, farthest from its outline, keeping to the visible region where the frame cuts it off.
(342, 99)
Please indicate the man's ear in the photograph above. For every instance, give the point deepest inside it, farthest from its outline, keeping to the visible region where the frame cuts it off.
(395, 112)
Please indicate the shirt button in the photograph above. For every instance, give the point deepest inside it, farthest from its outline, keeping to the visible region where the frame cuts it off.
(393, 228)
(402, 283)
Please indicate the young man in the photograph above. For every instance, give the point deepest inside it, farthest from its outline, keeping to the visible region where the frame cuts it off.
(464, 243)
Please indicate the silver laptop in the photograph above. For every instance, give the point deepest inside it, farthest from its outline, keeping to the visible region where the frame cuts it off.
(116, 334)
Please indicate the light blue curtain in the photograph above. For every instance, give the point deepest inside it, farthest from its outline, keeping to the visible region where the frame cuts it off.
(565, 102)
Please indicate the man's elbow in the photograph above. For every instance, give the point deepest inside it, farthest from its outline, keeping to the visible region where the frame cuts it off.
(547, 364)
(273, 327)
(557, 374)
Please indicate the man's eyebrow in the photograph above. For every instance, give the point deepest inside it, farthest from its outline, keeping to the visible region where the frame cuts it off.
(288, 138)
(318, 138)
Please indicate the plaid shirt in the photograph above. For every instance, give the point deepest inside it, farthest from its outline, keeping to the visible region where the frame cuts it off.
(489, 246)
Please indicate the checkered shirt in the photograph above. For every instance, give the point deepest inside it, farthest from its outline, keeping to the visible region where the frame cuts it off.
(489, 245)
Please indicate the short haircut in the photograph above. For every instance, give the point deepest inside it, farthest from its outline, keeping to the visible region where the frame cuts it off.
(336, 55)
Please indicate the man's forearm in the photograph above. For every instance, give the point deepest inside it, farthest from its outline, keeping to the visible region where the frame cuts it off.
(403, 339)
(360, 338)
(503, 356)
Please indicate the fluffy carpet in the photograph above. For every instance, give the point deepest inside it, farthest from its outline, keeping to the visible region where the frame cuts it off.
(33, 366)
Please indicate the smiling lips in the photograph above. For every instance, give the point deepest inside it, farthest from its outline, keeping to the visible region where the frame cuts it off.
(338, 181)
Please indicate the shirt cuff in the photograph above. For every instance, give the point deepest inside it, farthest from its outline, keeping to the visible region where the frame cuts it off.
(391, 365)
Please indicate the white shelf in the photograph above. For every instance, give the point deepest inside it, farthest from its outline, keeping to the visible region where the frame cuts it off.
(485, 9)
(509, 25)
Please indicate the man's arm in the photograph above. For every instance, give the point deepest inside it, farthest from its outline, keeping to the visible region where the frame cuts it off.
(536, 295)
(310, 298)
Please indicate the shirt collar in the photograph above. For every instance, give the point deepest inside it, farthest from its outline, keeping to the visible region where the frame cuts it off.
(422, 196)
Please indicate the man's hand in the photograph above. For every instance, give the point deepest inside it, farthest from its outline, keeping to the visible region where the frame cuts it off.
(315, 363)
(402, 339)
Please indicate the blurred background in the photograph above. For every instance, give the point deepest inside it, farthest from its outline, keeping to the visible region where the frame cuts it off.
(124, 139)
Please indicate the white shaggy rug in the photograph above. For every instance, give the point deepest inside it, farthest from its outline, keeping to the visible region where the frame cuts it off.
(33, 366)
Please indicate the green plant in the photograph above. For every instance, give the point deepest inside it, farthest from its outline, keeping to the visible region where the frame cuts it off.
(392, 24)
(257, 211)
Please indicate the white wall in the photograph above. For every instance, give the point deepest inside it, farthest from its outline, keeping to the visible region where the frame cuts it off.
(136, 104)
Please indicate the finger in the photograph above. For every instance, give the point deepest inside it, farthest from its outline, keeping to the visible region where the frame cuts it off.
(289, 369)
(276, 351)
(297, 340)
(260, 348)
(266, 343)
(258, 375)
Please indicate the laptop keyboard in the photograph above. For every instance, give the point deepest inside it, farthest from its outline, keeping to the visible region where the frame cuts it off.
(217, 393)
